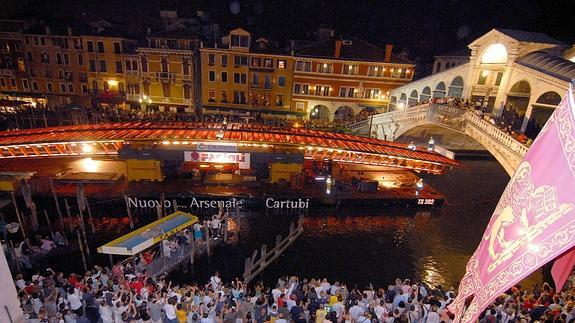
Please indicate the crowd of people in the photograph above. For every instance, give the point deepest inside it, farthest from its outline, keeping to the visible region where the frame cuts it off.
(508, 119)
(124, 294)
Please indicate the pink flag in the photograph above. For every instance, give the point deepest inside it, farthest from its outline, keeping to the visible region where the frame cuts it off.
(562, 268)
(534, 221)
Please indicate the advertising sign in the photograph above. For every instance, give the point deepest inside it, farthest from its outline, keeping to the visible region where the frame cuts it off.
(242, 159)
(216, 146)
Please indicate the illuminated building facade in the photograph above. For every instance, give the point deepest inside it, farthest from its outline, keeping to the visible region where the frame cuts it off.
(168, 65)
(242, 74)
(337, 78)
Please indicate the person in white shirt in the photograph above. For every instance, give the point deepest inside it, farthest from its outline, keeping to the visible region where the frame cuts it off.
(380, 311)
(170, 311)
(215, 281)
(75, 299)
(355, 311)
(432, 316)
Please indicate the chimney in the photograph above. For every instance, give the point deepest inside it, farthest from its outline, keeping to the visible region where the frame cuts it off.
(69, 31)
(337, 48)
(388, 49)
(47, 28)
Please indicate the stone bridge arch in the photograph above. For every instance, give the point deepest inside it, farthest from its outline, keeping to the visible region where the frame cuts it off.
(507, 151)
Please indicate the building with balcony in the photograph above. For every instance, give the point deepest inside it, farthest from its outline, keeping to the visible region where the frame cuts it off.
(168, 65)
(242, 74)
(338, 78)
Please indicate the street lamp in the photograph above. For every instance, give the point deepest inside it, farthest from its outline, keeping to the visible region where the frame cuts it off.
(411, 146)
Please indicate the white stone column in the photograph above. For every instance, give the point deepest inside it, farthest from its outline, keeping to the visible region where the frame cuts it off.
(10, 310)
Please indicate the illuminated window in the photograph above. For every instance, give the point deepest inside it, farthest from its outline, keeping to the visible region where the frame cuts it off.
(495, 54)
(281, 64)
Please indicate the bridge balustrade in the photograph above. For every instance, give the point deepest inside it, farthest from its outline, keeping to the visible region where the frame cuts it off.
(457, 119)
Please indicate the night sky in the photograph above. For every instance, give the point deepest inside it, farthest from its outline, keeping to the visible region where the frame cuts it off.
(424, 27)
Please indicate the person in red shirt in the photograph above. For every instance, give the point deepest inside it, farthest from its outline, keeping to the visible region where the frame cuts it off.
(136, 285)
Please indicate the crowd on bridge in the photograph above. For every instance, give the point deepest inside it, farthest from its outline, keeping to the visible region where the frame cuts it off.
(508, 119)
(126, 294)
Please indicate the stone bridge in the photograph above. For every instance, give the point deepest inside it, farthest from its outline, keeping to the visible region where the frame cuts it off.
(391, 125)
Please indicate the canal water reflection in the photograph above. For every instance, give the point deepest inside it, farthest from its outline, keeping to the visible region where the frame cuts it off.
(356, 245)
(363, 246)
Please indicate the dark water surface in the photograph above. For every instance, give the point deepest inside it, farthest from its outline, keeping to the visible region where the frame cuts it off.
(358, 246)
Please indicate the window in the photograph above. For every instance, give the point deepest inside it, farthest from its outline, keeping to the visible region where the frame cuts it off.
(134, 65)
(371, 94)
(68, 76)
(186, 66)
(2, 82)
(128, 65)
(34, 85)
(62, 87)
(77, 43)
(282, 64)
(61, 74)
(92, 65)
(498, 79)
(256, 62)
(281, 81)
(48, 74)
(58, 58)
(255, 80)
(224, 60)
(324, 68)
(224, 77)
(80, 59)
(25, 85)
(301, 88)
(303, 66)
(43, 41)
(66, 59)
(267, 82)
(84, 89)
(71, 88)
(395, 72)
(90, 46)
(240, 78)
(187, 91)
(83, 77)
(117, 49)
(224, 96)
(100, 47)
(244, 41)
(165, 65)
(211, 95)
(240, 60)
(119, 68)
(212, 76)
(239, 97)
(21, 65)
(375, 71)
(102, 66)
(279, 100)
(49, 87)
(211, 59)
(144, 64)
(349, 69)
(482, 78)
(29, 56)
(268, 63)
(13, 82)
(45, 58)
(322, 90)
(240, 41)
(345, 91)
(235, 40)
